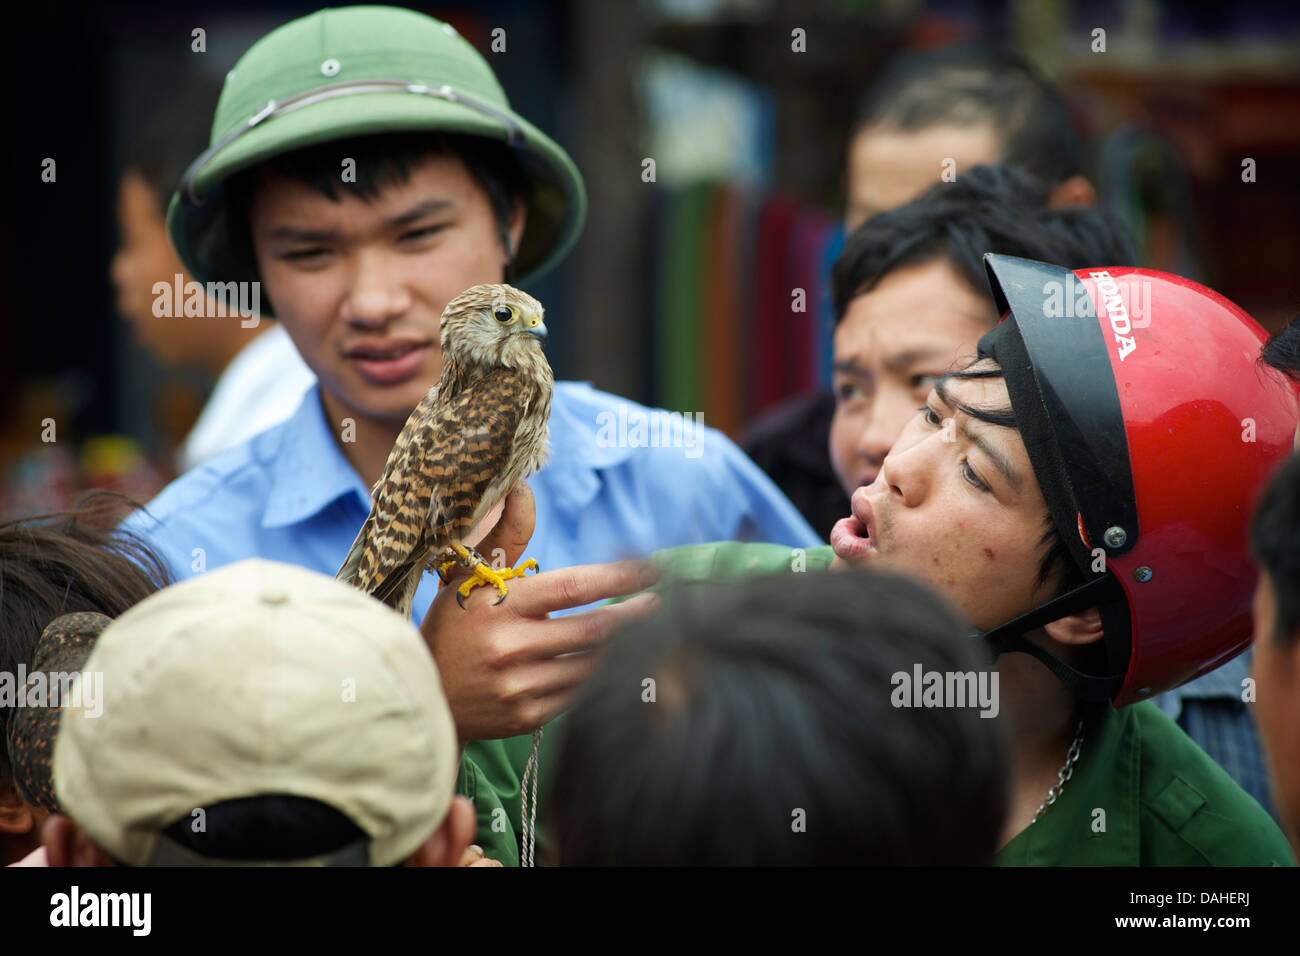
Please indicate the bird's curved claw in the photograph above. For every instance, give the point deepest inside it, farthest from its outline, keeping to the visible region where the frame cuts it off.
(486, 574)
(443, 563)
(460, 599)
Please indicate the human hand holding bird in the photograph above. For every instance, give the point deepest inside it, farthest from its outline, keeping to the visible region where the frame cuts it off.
(505, 669)
(482, 428)
(463, 450)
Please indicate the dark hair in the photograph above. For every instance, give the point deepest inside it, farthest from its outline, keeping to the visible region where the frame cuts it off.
(51, 565)
(272, 827)
(1282, 351)
(968, 86)
(987, 209)
(773, 696)
(1275, 528)
(1275, 545)
(179, 131)
(382, 160)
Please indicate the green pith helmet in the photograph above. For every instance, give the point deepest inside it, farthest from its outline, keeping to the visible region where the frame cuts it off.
(350, 71)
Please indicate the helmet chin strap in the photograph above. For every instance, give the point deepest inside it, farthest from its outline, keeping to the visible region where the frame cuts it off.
(1010, 637)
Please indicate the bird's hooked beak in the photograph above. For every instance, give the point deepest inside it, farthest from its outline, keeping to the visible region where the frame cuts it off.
(535, 327)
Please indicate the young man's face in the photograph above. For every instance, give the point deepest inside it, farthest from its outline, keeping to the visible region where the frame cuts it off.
(891, 346)
(1276, 669)
(360, 286)
(956, 504)
(145, 256)
(887, 167)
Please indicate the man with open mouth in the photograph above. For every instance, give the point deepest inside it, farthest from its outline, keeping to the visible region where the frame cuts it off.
(1056, 491)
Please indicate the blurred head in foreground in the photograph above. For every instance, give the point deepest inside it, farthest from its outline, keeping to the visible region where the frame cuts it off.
(260, 714)
(54, 565)
(1282, 354)
(759, 724)
(1275, 545)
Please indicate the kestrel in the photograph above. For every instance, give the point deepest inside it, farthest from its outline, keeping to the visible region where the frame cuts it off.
(474, 434)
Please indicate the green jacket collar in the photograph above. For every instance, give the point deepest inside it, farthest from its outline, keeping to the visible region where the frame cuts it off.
(1096, 819)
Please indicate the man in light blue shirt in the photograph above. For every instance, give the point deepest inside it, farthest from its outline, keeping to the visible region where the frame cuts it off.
(289, 494)
(365, 168)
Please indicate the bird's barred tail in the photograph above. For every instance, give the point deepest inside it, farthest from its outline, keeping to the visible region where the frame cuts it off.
(397, 590)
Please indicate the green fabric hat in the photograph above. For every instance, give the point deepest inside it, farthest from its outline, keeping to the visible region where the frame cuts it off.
(349, 71)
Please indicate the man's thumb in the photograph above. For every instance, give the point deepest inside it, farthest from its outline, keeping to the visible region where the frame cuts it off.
(512, 532)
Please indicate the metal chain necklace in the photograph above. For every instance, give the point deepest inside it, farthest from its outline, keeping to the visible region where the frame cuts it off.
(1062, 775)
(528, 821)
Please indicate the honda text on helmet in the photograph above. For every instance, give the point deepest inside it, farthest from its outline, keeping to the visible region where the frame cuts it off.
(1150, 432)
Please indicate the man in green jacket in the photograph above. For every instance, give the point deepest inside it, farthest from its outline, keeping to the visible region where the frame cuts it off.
(1081, 492)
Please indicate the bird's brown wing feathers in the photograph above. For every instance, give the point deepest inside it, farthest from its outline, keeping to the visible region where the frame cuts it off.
(350, 572)
(433, 489)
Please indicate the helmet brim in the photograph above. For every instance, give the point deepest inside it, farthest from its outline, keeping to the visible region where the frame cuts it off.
(1062, 389)
(1063, 394)
(556, 204)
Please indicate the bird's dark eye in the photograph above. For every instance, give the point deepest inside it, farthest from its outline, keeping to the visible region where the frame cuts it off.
(503, 314)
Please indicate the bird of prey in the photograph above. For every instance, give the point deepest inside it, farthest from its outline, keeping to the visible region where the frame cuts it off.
(474, 434)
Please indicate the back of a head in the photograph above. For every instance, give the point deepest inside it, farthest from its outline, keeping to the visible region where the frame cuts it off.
(997, 209)
(971, 85)
(293, 720)
(752, 724)
(1275, 546)
(170, 138)
(60, 564)
(1282, 351)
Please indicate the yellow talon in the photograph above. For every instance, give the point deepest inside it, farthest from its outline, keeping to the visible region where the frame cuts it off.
(444, 567)
(486, 574)
(444, 562)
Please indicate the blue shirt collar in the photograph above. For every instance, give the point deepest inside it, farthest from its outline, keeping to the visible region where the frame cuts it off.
(308, 472)
(575, 430)
(576, 457)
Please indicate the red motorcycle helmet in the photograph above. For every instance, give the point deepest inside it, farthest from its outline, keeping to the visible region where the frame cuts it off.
(1151, 429)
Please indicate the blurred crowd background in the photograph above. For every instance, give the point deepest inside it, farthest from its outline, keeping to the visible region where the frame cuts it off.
(681, 291)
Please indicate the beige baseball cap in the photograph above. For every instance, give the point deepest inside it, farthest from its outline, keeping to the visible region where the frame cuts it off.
(259, 678)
